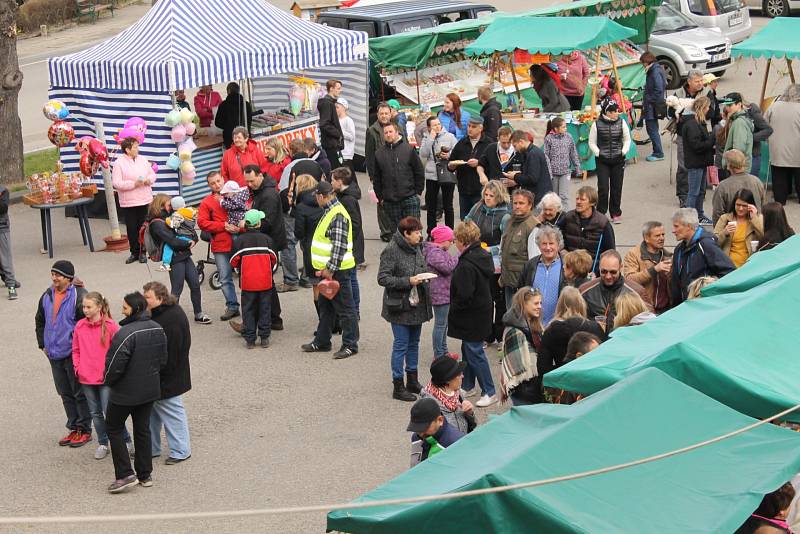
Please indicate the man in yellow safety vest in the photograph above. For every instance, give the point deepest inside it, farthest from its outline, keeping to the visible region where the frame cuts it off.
(332, 258)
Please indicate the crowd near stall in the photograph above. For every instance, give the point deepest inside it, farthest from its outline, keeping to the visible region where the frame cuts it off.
(628, 373)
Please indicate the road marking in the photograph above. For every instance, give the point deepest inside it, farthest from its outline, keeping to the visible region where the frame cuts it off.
(34, 63)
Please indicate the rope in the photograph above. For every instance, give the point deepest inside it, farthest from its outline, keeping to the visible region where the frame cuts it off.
(387, 502)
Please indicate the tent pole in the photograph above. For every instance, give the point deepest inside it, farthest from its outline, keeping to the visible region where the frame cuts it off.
(616, 75)
(764, 85)
(419, 100)
(109, 190)
(597, 79)
(514, 76)
(791, 69)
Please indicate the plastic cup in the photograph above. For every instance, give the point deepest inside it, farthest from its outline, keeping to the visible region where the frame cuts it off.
(601, 320)
(754, 245)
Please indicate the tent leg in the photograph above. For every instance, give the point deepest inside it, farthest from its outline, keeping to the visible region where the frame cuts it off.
(514, 77)
(791, 70)
(419, 100)
(764, 85)
(597, 79)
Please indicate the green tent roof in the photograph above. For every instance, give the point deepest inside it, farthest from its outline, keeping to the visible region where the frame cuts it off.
(711, 489)
(548, 35)
(779, 38)
(737, 348)
(762, 267)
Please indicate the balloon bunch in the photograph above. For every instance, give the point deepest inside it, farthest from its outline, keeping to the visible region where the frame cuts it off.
(183, 127)
(134, 127)
(61, 133)
(93, 155)
(304, 95)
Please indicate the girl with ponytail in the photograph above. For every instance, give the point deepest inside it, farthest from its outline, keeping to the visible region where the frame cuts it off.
(90, 342)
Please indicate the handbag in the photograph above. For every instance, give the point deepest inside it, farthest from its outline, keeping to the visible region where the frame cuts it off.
(443, 174)
(660, 109)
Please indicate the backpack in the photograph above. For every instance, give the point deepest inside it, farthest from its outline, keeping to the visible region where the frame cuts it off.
(148, 243)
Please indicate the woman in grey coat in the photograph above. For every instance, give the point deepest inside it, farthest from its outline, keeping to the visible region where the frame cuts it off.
(436, 146)
(406, 303)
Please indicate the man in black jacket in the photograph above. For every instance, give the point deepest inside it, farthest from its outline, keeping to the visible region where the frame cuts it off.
(535, 173)
(464, 160)
(329, 127)
(348, 193)
(490, 112)
(6, 264)
(399, 177)
(374, 140)
(175, 376)
(234, 111)
(265, 197)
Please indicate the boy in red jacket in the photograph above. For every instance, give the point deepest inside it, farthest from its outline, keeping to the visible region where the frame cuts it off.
(256, 261)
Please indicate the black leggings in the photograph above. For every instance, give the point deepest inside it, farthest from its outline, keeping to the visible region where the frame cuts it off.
(134, 219)
(432, 188)
(186, 270)
(610, 173)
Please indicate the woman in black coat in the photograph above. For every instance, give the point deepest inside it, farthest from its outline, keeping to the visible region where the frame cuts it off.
(176, 377)
(182, 266)
(698, 153)
(471, 306)
(133, 362)
(307, 213)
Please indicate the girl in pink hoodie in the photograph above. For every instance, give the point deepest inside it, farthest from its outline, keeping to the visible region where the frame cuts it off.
(90, 342)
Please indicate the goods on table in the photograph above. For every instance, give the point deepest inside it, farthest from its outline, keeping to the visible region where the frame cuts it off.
(57, 188)
(462, 77)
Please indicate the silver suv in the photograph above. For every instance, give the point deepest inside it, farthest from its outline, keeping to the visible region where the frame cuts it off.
(681, 45)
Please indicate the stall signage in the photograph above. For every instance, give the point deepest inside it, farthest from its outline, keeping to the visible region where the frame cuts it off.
(523, 56)
(311, 131)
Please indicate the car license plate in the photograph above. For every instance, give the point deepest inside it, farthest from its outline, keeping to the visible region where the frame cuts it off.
(720, 57)
(736, 19)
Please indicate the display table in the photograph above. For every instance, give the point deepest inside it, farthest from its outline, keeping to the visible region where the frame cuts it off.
(83, 221)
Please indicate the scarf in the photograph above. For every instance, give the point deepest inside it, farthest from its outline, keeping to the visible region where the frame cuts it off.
(520, 361)
(451, 402)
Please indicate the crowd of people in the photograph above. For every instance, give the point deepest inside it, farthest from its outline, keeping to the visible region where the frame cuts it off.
(520, 273)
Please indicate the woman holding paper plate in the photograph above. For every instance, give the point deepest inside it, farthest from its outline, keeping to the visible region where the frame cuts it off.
(406, 303)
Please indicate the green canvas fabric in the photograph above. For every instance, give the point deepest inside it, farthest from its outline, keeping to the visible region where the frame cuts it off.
(737, 348)
(762, 267)
(778, 39)
(548, 35)
(709, 490)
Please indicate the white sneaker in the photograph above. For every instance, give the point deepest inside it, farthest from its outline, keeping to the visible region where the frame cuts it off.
(101, 452)
(485, 401)
(470, 393)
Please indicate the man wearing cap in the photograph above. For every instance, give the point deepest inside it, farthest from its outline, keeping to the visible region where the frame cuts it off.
(398, 117)
(60, 308)
(464, 160)
(740, 128)
(535, 173)
(253, 255)
(349, 133)
(431, 432)
(329, 127)
(399, 177)
(332, 257)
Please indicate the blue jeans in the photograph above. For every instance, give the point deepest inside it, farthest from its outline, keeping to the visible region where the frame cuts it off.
(167, 253)
(405, 348)
(97, 399)
(225, 271)
(465, 203)
(755, 167)
(477, 367)
(651, 125)
(697, 190)
(289, 254)
(170, 414)
(440, 312)
(356, 291)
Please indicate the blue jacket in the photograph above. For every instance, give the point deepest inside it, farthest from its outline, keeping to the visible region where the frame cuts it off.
(445, 436)
(654, 90)
(449, 125)
(55, 336)
(700, 257)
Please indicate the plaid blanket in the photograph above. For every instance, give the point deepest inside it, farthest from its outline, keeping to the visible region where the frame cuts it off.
(519, 359)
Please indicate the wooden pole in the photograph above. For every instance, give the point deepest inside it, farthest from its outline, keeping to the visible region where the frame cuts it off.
(616, 76)
(597, 79)
(419, 100)
(109, 189)
(764, 85)
(514, 76)
(791, 69)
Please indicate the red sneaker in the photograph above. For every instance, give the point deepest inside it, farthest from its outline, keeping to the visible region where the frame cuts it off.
(81, 438)
(66, 440)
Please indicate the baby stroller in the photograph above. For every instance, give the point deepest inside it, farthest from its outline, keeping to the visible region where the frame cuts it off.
(213, 280)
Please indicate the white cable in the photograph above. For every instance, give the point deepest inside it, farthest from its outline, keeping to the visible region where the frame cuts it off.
(386, 502)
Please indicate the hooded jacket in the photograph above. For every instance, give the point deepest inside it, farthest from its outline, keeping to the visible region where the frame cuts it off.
(490, 221)
(267, 199)
(492, 118)
(55, 334)
(740, 137)
(89, 351)
(234, 161)
(701, 256)
(307, 214)
(175, 376)
(204, 104)
(398, 172)
(349, 198)
(441, 263)
(399, 261)
(430, 147)
(134, 360)
(471, 304)
(255, 259)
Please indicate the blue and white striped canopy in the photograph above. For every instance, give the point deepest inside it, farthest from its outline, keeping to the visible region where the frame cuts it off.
(182, 44)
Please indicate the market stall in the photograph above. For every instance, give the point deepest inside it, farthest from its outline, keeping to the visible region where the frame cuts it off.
(183, 44)
(779, 39)
(708, 489)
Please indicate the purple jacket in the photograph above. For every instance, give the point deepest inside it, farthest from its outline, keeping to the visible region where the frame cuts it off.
(443, 264)
(56, 336)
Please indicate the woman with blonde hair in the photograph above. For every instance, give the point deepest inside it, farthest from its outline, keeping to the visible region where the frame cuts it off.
(521, 376)
(698, 152)
(631, 310)
(307, 214)
(277, 158)
(577, 265)
(570, 318)
(693, 291)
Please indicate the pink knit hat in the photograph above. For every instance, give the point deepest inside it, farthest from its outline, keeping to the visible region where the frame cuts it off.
(442, 233)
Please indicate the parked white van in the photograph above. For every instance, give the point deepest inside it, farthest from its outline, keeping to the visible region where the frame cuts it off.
(732, 17)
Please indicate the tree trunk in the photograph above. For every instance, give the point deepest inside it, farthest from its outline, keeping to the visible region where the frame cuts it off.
(11, 170)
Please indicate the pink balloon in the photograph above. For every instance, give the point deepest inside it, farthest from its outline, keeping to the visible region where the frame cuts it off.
(127, 132)
(136, 123)
(154, 166)
(179, 133)
(190, 128)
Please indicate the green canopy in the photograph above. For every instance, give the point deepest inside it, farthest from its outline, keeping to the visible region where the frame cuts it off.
(779, 38)
(762, 267)
(737, 348)
(712, 489)
(548, 35)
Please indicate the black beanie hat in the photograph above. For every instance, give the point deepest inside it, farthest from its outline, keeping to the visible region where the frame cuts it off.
(64, 268)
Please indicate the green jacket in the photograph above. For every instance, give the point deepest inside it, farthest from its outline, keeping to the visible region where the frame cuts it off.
(740, 137)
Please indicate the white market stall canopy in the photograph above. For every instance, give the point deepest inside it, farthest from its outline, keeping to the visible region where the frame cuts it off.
(181, 44)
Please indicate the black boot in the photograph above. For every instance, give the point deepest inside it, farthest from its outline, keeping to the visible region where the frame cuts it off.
(401, 393)
(412, 384)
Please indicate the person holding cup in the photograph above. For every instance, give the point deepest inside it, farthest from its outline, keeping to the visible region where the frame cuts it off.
(739, 231)
(133, 177)
(434, 152)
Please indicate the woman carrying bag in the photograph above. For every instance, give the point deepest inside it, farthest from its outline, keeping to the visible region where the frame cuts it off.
(434, 152)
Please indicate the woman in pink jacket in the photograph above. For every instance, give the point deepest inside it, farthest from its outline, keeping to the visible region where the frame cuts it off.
(573, 69)
(133, 177)
(90, 341)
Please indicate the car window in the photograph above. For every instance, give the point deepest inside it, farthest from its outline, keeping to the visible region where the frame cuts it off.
(410, 25)
(333, 23)
(368, 27)
(704, 7)
(670, 20)
(483, 13)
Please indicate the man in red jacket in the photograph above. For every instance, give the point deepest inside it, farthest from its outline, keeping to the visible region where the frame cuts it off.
(213, 218)
(242, 153)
